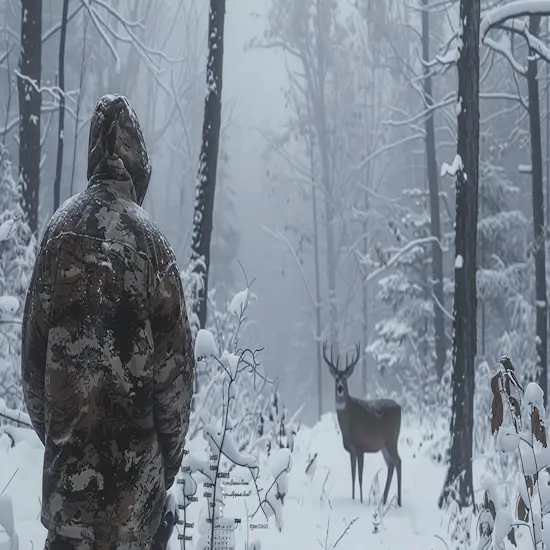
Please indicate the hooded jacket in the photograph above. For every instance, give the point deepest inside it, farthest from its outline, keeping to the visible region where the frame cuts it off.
(107, 355)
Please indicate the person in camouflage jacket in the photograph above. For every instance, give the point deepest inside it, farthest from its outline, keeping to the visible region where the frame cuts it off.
(107, 357)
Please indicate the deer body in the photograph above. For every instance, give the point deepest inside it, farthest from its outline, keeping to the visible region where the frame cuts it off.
(367, 426)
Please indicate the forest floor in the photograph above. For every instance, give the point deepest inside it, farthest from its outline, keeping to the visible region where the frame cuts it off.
(318, 513)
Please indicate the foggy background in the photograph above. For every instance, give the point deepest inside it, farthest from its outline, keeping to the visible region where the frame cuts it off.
(262, 207)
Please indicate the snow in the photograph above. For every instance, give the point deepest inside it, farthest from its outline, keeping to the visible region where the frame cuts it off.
(534, 396)
(205, 345)
(452, 170)
(507, 440)
(7, 229)
(459, 261)
(8, 305)
(224, 440)
(317, 506)
(503, 524)
(239, 303)
(525, 169)
(512, 10)
(231, 362)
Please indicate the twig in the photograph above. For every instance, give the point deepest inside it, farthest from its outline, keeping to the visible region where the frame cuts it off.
(345, 532)
(10, 480)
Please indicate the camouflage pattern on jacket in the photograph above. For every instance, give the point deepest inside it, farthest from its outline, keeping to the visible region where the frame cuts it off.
(107, 354)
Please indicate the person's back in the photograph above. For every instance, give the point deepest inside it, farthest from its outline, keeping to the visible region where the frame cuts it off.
(107, 360)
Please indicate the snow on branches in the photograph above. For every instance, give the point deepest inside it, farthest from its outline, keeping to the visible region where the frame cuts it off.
(218, 448)
(506, 18)
(17, 256)
(517, 415)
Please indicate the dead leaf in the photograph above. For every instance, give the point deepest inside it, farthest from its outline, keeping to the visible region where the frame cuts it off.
(497, 411)
(506, 362)
(537, 427)
(491, 507)
(522, 510)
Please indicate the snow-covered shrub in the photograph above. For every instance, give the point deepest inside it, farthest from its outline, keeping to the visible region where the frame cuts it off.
(228, 442)
(192, 284)
(275, 424)
(517, 422)
(404, 342)
(17, 256)
(505, 285)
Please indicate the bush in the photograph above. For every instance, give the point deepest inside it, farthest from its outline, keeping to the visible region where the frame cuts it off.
(517, 422)
(235, 390)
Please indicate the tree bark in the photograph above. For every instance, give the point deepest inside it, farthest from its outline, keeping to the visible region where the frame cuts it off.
(320, 113)
(458, 483)
(317, 282)
(30, 104)
(317, 307)
(538, 213)
(433, 185)
(365, 306)
(61, 124)
(208, 160)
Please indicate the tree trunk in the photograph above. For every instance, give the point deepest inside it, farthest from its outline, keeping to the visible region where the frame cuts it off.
(465, 301)
(318, 99)
(208, 160)
(30, 104)
(365, 308)
(61, 125)
(317, 283)
(538, 213)
(83, 64)
(433, 184)
(317, 307)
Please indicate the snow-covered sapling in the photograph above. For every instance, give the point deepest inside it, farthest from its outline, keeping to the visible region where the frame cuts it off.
(223, 451)
(517, 422)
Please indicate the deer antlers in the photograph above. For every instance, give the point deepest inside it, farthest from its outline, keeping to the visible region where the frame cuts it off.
(350, 365)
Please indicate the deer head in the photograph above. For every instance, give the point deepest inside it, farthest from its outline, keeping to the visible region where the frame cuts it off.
(341, 376)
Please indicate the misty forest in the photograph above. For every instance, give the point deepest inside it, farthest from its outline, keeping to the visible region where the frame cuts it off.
(358, 196)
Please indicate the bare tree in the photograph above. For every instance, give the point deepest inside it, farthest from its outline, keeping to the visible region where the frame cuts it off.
(539, 229)
(433, 184)
(208, 160)
(507, 21)
(61, 124)
(30, 103)
(459, 483)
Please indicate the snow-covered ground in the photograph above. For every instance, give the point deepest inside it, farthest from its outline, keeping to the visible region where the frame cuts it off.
(317, 510)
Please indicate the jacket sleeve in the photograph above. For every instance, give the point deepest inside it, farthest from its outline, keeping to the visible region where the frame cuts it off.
(35, 342)
(174, 370)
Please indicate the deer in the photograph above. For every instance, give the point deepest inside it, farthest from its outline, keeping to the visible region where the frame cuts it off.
(367, 426)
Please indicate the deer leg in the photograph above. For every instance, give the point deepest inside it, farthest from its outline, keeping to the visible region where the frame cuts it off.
(397, 462)
(353, 459)
(360, 464)
(391, 467)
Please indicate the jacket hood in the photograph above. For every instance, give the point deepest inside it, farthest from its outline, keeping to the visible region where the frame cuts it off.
(116, 147)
